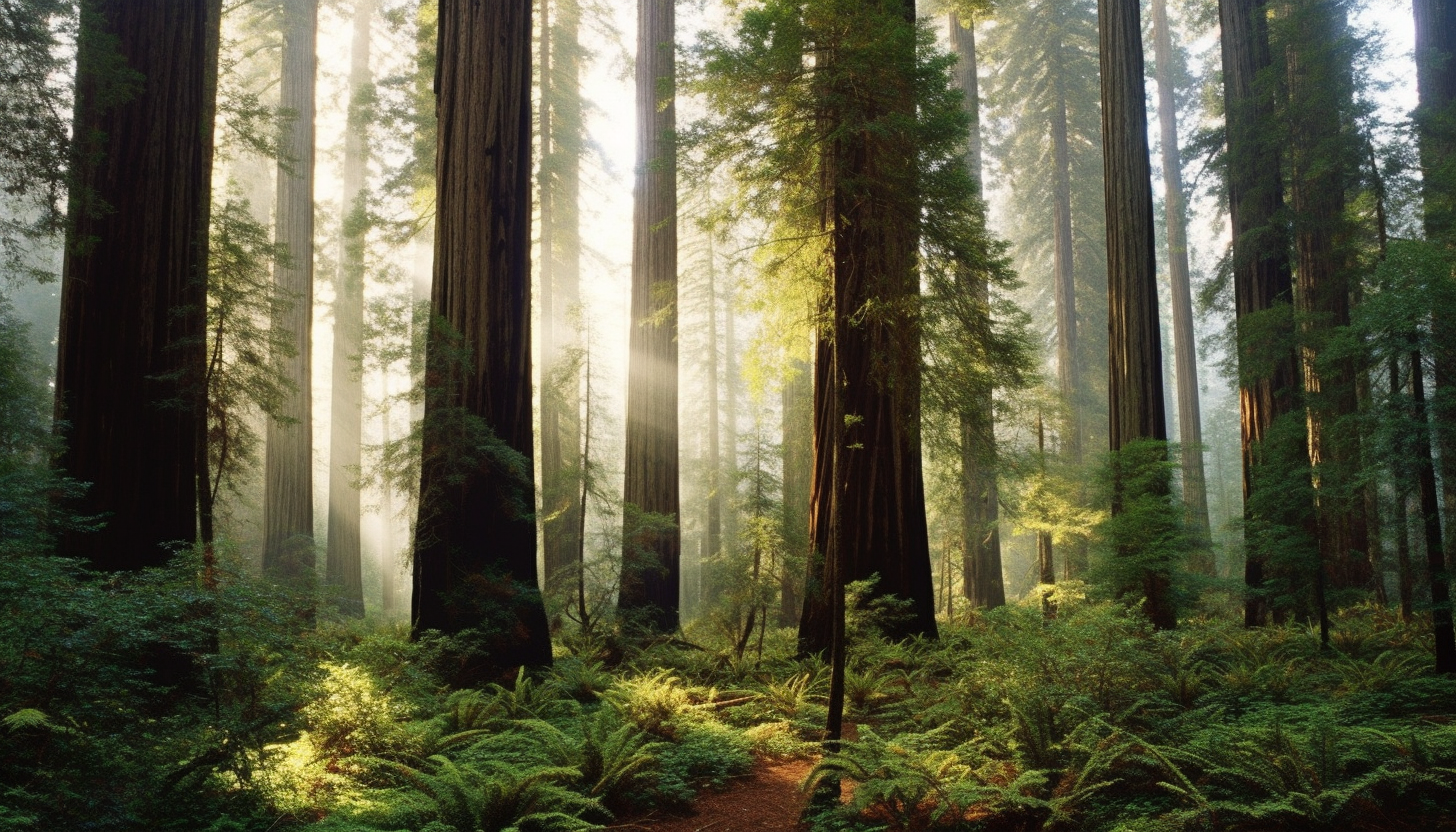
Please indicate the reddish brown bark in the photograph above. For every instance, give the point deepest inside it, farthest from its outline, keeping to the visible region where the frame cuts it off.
(1262, 277)
(1135, 365)
(651, 564)
(475, 539)
(288, 550)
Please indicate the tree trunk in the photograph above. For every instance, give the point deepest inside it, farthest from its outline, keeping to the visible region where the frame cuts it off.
(1262, 279)
(475, 539)
(343, 566)
(728, 479)
(1319, 94)
(132, 339)
(650, 568)
(1406, 576)
(288, 551)
(1135, 380)
(708, 567)
(560, 281)
(872, 391)
(798, 450)
(982, 581)
(1436, 571)
(1046, 570)
(1185, 355)
(1435, 118)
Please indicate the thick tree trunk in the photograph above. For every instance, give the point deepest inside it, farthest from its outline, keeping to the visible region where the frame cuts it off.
(798, 450)
(872, 391)
(981, 577)
(1135, 365)
(1185, 355)
(559, 278)
(132, 339)
(475, 539)
(728, 479)
(1435, 117)
(288, 551)
(1319, 93)
(650, 568)
(343, 562)
(1262, 279)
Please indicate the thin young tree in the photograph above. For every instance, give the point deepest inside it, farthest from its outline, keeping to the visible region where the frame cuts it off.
(1135, 359)
(475, 537)
(650, 570)
(343, 562)
(131, 354)
(288, 461)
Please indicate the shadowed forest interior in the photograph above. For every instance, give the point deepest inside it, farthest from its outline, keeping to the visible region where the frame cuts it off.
(495, 415)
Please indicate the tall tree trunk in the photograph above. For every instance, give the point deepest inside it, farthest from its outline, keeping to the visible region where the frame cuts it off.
(650, 568)
(1135, 380)
(1320, 91)
(728, 480)
(708, 567)
(343, 562)
(559, 278)
(1185, 355)
(388, 562)
(1436, 571)
(798, 450)
(873, 388)
(1435, 117)
(1406, 576)
(475, 539)
(1046, 570)
(981, 577)
(288, 551)
(1262, 279)
(132, 339)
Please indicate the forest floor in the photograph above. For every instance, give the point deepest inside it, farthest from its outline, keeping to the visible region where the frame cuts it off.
(767, 798)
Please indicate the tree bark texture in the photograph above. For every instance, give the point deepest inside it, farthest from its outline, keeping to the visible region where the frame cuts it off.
(1135, 358)
(1435, 117)
(1262, 278)
(560, 281)
(475, 541)
(981, 577)
(650, 569)
(343, 567)
(132, 334)
(1320, 90)
(1185, 355)
(871, 390)
(798, 450)
(288, 551)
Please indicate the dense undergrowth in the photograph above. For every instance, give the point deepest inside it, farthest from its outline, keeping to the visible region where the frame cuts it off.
(161, 701)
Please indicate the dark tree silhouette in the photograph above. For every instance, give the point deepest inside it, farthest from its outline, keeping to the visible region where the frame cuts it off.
(132, 333)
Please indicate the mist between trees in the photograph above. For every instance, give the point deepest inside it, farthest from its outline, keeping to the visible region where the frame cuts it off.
(873, 320)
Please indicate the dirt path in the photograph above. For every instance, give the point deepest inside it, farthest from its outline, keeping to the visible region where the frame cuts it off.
(767, 799)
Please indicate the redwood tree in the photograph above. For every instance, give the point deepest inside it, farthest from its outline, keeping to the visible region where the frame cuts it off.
(1185, 355)
(132, 332)
(1135, 365)
(343, 561)
(650, 559)
(982, 581)
(288, 462)
(475, 537)
(1261, 272)
(867, 378)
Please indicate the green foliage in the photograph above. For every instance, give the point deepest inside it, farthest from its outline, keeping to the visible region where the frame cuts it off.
(499, 797)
